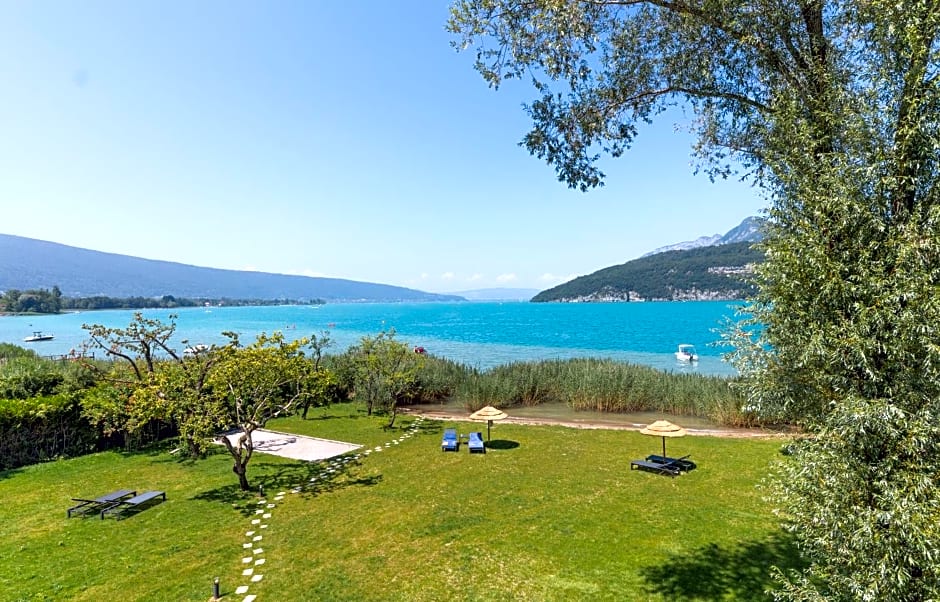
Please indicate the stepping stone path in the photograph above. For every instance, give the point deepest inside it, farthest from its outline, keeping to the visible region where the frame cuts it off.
(253, 553)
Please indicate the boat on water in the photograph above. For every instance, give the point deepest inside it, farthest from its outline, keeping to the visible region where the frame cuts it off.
(686, 353)
(38, 336)
(196, 349)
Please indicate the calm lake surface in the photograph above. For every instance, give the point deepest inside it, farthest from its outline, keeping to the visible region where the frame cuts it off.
(478, 334)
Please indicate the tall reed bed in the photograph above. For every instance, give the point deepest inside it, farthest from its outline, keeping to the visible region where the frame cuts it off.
(590, 384)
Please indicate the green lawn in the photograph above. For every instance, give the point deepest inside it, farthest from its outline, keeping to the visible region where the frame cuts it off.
(549, 513)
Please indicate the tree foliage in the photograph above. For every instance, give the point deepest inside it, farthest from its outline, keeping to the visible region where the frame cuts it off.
(258, 382)
(152, 382)
(833, 108)
(385, 372)
(40, 301)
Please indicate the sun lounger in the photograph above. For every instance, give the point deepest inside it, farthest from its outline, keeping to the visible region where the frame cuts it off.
(476, 443)
(683, 463)
(95, 505)
(136, 502)
(450, 442)
(664, 469)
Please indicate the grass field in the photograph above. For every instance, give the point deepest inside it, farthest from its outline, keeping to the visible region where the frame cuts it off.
(548, 513)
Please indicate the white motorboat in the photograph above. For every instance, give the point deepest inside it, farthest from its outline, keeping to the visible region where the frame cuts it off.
(686, 353)
(196, 349)
(38, 336)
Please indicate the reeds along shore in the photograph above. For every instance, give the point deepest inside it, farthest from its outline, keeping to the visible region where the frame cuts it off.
(586, 384)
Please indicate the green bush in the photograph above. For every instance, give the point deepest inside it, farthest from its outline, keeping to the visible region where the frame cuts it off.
(43, 428)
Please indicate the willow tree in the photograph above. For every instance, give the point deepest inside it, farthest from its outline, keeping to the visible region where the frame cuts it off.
(832, 109)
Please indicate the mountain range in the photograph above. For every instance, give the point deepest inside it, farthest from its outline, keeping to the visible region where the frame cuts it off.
(708, 267)
(748, 230)
(26, 263)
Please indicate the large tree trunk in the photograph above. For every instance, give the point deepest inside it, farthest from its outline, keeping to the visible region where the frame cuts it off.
(241, 455)
(241, 470)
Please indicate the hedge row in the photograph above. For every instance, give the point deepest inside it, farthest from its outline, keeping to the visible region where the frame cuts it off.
(43, 428)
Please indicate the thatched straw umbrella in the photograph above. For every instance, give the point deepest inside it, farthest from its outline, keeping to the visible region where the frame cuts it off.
(664, 428)
(489, 413)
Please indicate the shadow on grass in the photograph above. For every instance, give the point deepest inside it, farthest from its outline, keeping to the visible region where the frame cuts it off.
(713, 572)
(10, 473)
(333, 417)
(268, 478)
(501, 444)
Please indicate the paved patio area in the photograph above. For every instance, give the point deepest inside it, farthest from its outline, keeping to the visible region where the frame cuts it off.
(298, 447)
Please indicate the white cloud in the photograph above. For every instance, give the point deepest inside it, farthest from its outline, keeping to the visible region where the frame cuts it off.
(555, 279)
(504, 278)
(475, 277)
(424, 275)
(447, 276)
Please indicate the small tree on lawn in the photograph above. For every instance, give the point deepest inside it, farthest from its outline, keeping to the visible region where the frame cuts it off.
(321, 383)
(155, 382)
(258, 382)
(385, 371)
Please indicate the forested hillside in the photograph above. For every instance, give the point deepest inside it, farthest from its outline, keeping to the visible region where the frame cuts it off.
(717, 272)
(26, 263)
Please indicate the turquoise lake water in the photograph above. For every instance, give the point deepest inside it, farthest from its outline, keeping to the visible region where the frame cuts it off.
(477, 334)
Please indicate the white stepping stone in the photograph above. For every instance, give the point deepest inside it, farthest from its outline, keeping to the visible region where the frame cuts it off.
(262, 501)
(256, 521)
(259, 511)
(281, 493)
(247, 559)
(250, 598)
(249, 533)
(247, 572)
(272, 505)
(246, 545)
(256, 538)
(241, 589)
(259, 561)
(264, 526)
(257, 578)
(257, 551)
(266, 515)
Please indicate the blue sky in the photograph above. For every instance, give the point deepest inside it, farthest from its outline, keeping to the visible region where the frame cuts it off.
(322, 138)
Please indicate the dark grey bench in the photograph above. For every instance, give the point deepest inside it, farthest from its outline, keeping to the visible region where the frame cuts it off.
(119, 507)
(656, 467)
(98, 503)
(683, 463)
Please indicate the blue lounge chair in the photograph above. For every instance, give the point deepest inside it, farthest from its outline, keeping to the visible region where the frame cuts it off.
(476, 443)
(450, 442)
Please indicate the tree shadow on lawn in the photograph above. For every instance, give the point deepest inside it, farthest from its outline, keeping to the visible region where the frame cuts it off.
(356, 416)
(268, 478)
(713, 572)
(501, 444)
(9, 473)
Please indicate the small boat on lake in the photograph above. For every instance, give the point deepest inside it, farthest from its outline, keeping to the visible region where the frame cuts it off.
(196, 349)
(38, 336)
(686, 353)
